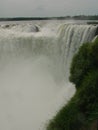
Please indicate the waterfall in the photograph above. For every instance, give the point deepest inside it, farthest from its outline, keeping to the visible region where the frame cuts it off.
(72, 37)
(34, 71)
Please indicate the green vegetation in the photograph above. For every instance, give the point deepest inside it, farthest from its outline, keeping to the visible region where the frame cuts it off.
(82, 109)
(78, 17)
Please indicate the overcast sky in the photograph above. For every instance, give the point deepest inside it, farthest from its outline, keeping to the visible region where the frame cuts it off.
(32, 8)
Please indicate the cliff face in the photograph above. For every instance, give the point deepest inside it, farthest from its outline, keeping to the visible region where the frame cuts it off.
(96, 33)
(93, 126)
(81, 113)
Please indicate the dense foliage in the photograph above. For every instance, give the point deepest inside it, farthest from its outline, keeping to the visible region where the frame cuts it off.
(82, 110)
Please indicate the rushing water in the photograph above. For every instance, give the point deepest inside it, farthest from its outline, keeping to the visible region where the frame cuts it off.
(34, 70)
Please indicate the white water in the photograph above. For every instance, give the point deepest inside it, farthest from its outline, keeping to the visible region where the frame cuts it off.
(34, 70)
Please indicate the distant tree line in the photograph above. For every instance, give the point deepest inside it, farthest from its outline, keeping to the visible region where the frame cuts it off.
(78, 17)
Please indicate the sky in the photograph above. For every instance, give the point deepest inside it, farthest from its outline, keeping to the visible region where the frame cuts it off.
(44, 8)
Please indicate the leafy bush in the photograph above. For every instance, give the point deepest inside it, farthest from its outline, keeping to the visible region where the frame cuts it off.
(88, 93)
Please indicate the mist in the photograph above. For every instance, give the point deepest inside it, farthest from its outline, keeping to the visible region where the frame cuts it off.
(29, 94)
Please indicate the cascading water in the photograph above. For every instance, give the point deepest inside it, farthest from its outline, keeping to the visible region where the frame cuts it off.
(72, 37)
(34, 71)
